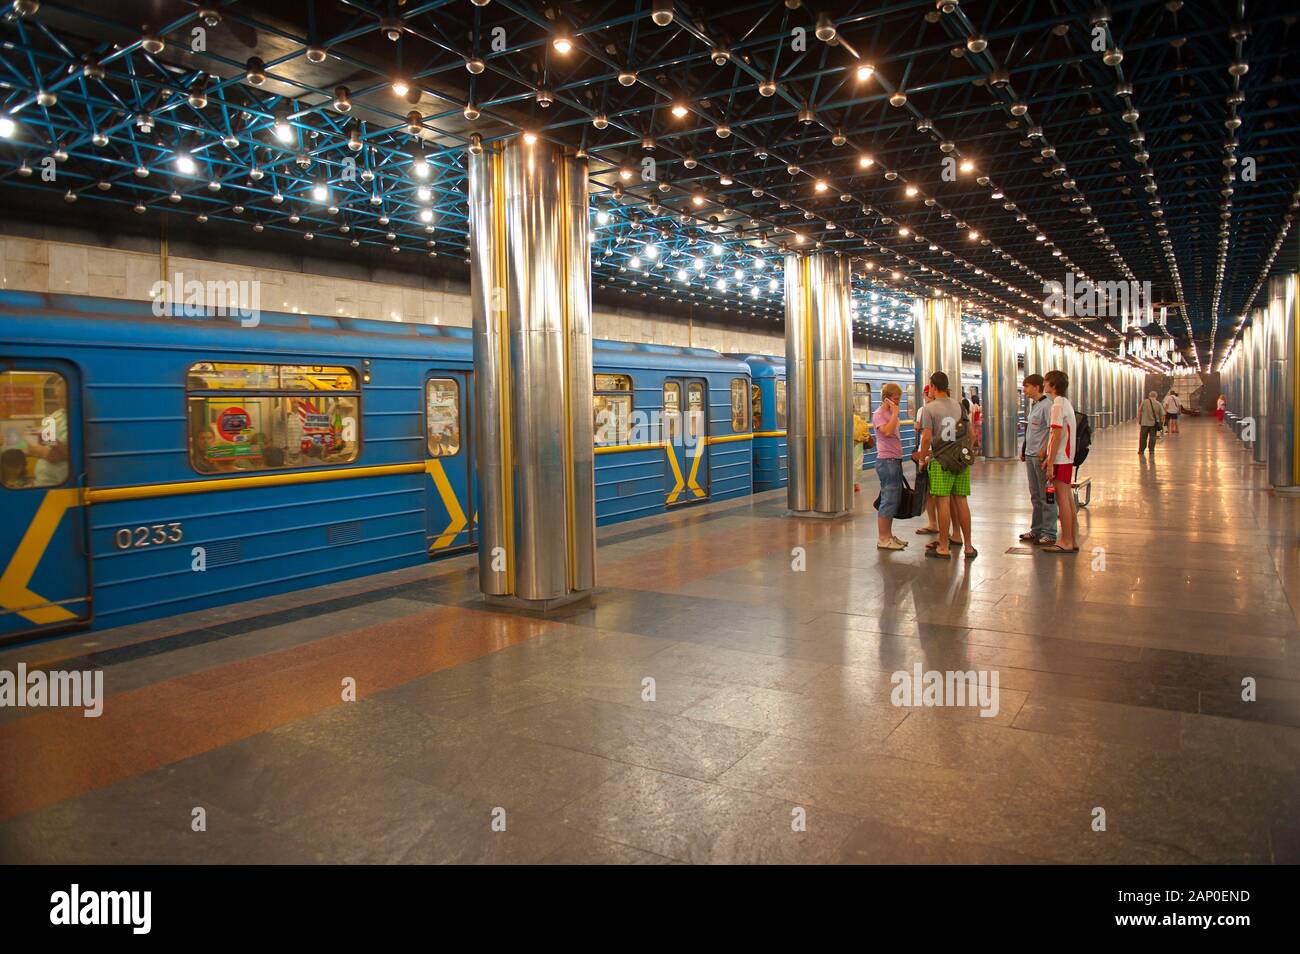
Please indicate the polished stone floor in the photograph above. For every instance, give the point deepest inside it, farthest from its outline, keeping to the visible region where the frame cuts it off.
(719, 704)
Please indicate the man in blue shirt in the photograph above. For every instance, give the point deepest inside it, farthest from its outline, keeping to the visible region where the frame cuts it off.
(1038, 422)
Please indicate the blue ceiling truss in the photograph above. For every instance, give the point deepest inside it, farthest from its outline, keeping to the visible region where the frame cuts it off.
(981, 148)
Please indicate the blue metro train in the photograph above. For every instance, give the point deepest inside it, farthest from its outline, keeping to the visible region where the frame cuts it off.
(151, 466)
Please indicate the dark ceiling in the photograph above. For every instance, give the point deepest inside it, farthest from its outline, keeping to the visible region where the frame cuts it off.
(1142, 141)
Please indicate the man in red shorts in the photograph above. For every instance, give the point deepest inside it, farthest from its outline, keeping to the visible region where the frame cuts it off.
(1058, 463)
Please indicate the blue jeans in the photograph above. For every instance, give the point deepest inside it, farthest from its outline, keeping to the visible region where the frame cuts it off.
(1044, 512)
(890, 472)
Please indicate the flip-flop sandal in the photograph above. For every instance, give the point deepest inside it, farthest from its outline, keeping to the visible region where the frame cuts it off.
(1045, 541)
(972, 553)
(1026, 537)
(926, 531)
(1057, 548)
(932, 545)
(936, 555)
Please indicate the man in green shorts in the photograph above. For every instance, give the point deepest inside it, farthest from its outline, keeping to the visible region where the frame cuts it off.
(942, 416)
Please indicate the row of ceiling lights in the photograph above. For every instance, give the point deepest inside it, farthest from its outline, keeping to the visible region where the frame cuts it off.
(285, 133)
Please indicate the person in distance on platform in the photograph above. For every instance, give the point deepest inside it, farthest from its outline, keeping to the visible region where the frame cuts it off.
(942, 419)
(1173, 407)
(1149, 422)
(889, 466)
(931, 503)
(1038, 427)
(1058, 462)
(1220, 406)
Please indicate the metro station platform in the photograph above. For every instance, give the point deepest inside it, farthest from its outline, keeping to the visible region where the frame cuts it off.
(1120, 668)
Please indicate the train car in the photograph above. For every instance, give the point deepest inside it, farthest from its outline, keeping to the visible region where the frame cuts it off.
(770, 451)
(672, 428)
(770, 454)
(157, 465)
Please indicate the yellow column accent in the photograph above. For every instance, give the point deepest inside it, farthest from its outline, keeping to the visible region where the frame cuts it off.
(14, 594)
(566, 323)
(500, 244)
(805, 265)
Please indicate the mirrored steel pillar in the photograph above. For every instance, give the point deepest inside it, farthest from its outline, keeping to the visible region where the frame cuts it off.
(1072, 364)
(1112, 391)
(936, 341)
(530, 291)
(1259, 383)
(819, 380)
(1081, 391)
(1248, 424)
(1039, 354)
(1284, 383)
(1001, 397)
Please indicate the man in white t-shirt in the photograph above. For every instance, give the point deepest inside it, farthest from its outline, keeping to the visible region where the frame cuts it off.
(1173, 407)
(1058, 462)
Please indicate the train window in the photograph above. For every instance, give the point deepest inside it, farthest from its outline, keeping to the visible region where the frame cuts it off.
(696, 408)
(224, 376)
(780, 404)
(442, 416)
(33, 429)
(672, 418)
(739, 405)
(612, 406)
(613, 382)
(613, 418)
(280, 417)
(756, 402)
(862, 399)
(911, 399)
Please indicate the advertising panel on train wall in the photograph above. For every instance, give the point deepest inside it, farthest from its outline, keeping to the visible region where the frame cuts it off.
(237, 426)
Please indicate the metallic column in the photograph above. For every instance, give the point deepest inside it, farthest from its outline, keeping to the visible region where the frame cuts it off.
(1247, 352)
(819, 376)
(1259, 383)
(1284, 383)
(1109, 386)
(1040, 354)
(530, 291)
(1001, 399)
(1105, 403)
(937, 341)
(1072, 364)
(1081, 391)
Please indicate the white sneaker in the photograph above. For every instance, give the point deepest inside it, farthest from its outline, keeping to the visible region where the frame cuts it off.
(893, 543)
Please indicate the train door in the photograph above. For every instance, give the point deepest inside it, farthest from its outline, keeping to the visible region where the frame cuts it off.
(44, 563)
(449, 488)
(686, 439)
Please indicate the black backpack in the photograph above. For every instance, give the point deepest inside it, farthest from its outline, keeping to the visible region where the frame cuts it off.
(1082, 438)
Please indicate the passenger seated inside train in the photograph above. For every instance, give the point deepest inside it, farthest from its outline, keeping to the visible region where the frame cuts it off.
(13, 469)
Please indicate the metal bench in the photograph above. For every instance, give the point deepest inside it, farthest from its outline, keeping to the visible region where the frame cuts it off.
(1086, 486)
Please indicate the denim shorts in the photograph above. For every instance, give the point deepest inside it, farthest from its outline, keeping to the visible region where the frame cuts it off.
(890, 472)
